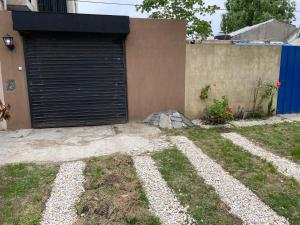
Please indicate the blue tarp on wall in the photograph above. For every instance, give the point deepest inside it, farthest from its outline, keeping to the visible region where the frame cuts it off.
(289, 92)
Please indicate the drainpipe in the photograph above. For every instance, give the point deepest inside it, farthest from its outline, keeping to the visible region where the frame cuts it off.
(5, 4)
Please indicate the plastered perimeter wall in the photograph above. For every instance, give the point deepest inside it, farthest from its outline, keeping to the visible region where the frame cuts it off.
(155, 55)
(3, 123)
(10, 62)
(231, 70)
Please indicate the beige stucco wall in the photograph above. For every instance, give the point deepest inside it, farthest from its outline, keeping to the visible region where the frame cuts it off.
(155, 60)
(10, 63)
(231, 70)
(3, 124)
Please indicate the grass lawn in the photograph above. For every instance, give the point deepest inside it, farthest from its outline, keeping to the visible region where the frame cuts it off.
(113, 194)
(24, 189)
(281, 193)
(204, 204)
(281, 139)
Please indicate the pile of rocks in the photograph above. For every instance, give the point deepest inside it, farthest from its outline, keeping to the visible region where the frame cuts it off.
(168, 119)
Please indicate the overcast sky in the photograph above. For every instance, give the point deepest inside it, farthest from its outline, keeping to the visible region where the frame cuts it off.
(92, 8)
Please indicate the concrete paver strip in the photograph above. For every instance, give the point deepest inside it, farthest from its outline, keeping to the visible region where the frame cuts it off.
(162, 201)
(68, 185)
(283, 165)
(69, 144)
(241, 201)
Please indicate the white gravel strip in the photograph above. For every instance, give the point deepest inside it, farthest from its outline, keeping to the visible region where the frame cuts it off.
(250, 123)
(295, 117)
(68, 186)
(246, 123)
(283, 165)
(242, 201)
(202, 124)
(163, 203)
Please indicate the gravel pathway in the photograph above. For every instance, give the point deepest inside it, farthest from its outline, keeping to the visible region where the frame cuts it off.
(68, 186)
(242, 201)
(163, 203)
(250, 123)
(246, 123)
(283, 165)
(202, 124)
(292, 117)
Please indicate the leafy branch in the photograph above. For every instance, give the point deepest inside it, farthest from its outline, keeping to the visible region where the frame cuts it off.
(188, 10)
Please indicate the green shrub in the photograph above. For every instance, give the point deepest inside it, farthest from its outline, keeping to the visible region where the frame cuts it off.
(4, 111)
(219, 112)
(204, 92)
(267, 95)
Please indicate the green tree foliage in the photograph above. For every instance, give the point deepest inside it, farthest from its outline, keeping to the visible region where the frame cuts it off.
(188, 10)
(242, 13)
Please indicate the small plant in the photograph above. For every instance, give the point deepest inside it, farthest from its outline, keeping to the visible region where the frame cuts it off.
(219, 112)
(256, 96)
(204, 92)
(264, 96)
(267, 96)
(4, 111)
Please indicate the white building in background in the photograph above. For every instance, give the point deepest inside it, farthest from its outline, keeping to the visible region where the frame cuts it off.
(296, 42)
(72, 6)
(33, 5)
(270, 31)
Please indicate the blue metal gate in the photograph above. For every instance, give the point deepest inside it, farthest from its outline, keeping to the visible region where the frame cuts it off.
(289, 92)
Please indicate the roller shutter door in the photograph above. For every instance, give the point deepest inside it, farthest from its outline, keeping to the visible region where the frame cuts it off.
(76, 79)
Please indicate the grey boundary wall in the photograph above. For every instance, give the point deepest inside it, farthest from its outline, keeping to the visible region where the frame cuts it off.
(231, 70)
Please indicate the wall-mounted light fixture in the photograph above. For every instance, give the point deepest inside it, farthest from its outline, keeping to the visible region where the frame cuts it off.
(9, 41)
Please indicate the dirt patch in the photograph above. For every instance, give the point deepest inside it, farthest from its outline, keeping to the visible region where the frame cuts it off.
(113, 194)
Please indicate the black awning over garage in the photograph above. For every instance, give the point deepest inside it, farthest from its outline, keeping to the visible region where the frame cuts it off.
(67, 22)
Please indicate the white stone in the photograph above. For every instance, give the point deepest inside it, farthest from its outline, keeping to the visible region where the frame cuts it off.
(201, 124)
(178, 119)
(165, 121)
(162, 201)
(68, 185)
(291, 117)
(176, 114)
(250, 123)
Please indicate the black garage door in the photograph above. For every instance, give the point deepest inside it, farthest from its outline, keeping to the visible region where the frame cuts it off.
(76, 79)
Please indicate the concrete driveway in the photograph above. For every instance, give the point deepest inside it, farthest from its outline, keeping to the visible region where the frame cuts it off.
(67, 144)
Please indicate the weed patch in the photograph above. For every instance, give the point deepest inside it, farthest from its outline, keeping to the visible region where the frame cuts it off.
(113, 194)
(24, 190)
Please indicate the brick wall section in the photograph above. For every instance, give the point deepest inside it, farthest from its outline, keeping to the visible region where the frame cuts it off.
(231, 70)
